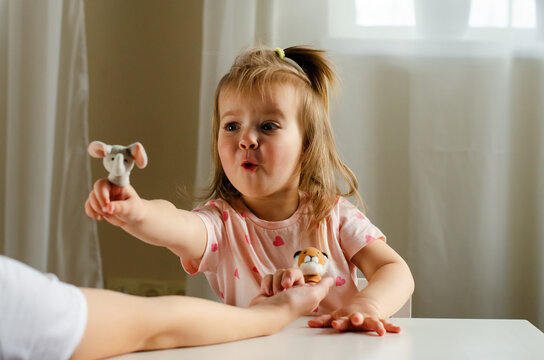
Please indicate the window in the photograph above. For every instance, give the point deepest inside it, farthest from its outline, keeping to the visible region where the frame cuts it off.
(503, 14)
(401, 19)
(384, 13)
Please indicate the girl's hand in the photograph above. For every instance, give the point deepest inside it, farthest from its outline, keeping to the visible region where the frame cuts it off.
(359, 315)
(282, 279)
(118, 205)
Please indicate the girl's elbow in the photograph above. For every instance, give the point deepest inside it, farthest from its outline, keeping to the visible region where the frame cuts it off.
(411, 284)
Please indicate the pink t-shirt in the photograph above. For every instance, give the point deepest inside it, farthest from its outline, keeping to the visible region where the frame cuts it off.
(242, 248)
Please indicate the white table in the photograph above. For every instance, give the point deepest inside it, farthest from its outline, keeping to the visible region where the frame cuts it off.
(419, 339)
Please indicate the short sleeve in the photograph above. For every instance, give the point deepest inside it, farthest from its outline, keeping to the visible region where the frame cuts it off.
(211, 217)
(41, 317)
(355, 229)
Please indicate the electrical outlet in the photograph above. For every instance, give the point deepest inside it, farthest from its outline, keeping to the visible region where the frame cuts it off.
(146, 287)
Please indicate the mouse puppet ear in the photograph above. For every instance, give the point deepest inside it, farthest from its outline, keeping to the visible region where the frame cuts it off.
(138, 153)
(98, 149)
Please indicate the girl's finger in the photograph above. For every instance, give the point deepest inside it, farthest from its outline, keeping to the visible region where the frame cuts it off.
(120, 209)
(119, 192)
(266, 285)
(374, 325)
(357, 319)
(90, 213)
(276, 282)
(321, 321)
(297, 276)
(291, 277)
(95, 204)
(390, 327)
(102, 189)
(122, 192)
(342, 323)
(114, 220)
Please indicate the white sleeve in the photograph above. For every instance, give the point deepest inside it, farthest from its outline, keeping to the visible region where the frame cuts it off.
(40, 316)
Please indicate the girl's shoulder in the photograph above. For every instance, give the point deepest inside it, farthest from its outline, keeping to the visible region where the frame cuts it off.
(345, 208)
(343, 203)
(211, 205)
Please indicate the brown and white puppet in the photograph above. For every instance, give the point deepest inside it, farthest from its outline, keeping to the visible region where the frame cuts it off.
(313, 263)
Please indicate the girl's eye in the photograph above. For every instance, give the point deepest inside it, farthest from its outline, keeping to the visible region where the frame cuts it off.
(269, 126)
(231, 127)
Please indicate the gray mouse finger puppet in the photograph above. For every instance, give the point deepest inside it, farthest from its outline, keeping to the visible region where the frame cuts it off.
(313, 263)
(119, 160)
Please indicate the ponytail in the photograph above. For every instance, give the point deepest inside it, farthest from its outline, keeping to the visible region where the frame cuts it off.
(317, 68)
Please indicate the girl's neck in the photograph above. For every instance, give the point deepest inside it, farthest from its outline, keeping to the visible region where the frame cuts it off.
(274, 208)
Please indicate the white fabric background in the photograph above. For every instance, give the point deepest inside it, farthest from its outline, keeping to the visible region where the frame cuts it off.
(446, 143)
(44, 167)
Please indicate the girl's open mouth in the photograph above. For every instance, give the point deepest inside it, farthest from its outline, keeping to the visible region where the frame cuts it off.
(249, 166)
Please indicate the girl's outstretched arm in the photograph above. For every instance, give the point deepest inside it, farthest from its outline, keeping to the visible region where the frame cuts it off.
(119, 323)
(156, 222)
(390, 285)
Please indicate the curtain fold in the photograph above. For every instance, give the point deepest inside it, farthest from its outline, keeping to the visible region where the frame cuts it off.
(448, 155)
(45, 171)
(446, 145)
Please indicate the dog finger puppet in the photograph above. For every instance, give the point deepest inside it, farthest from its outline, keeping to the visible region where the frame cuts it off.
(312, 262)
(119, 160)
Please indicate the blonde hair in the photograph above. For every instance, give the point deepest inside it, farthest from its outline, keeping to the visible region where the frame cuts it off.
(312, 74)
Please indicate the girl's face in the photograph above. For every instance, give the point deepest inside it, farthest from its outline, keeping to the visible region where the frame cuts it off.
(260, 141)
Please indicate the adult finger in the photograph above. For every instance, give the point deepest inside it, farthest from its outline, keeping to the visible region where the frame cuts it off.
(322, 288)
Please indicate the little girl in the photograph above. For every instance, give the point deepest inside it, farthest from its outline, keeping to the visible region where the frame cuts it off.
(275, 191)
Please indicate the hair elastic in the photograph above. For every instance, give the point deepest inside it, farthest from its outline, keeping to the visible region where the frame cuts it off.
(281, 55)
(280, 52)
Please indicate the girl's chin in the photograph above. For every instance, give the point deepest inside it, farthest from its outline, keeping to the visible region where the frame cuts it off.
(254, 193)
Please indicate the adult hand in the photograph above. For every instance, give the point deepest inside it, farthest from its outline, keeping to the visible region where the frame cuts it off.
(300, 299)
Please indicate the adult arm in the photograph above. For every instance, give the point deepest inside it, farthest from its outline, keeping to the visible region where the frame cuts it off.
(119, 323)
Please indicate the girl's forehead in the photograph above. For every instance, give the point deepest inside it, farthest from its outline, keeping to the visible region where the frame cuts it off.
(273, 95)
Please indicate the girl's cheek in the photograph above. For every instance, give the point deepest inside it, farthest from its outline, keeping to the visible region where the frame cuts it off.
(224, 159)
(224, 162)
(222, 150)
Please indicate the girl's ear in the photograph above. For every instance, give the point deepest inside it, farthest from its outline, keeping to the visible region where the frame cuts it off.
(138, 153)
(98, 149)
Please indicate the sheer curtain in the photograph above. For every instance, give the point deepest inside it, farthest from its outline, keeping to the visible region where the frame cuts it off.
(44, 168)
(445, 139)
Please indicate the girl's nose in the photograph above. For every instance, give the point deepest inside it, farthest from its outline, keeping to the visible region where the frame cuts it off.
(249, 141)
